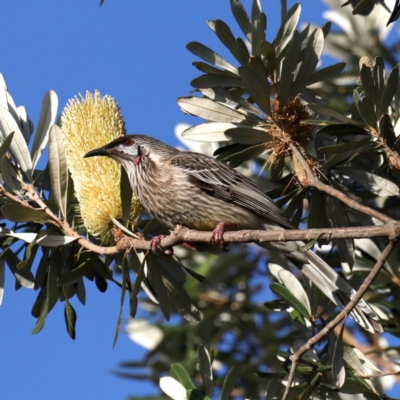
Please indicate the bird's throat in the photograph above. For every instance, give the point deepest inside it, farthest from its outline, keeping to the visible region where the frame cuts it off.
(137, 160)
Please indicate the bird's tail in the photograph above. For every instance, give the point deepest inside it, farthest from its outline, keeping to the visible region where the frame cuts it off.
(329, 282)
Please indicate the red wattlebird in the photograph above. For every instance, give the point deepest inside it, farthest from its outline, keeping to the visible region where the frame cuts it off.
(201, 193)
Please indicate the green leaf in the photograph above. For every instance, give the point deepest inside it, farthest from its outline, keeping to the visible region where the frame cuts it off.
(241, 18)
(348, 146)
(289, 64)
(230, 382)
(326, 73)
(205, 370)
(292, 300)
(125, 277)
(19, 213)
(23, 276)
(2, 278)
(379, 78)
(213, 80)
(342, 130)
(268, 51)
(210, 56)
(259, 24)
(42, 318)
(248, 135)
(5, 146)
(338, 370)
(18, 146)
(225, 35)
(58, 168)
(312, 55)
(386, 130)
(208, 132)
(9, 175)
(368, 83)
(211, 110)
(372, 182)
(364, 7)
(162, 295)
(332, 113)
(179, 373)
(126, 196)
(367, 112)
(256, 88)
(70, 318)
(390, 91)
(287, 28)
(247, 154)
(47, 118)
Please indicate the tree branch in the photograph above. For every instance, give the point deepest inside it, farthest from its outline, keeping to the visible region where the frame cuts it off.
(312, 181)
(296, 357)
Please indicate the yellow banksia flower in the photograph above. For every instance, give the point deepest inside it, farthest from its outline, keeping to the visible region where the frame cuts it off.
(89, 123)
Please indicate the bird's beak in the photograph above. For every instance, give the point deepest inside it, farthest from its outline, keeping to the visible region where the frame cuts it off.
(97, 152)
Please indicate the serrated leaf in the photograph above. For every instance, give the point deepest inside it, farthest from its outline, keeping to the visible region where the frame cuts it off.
(70, 318)
(179, 373)
(19, 213)
(241, 18)
(312, 55)
(48, 114)
(248, 135)
(210, 110)
(372, 182)
(326, 73)
(287, 28)
(205, 369)
(230, 382)
(210, 56)
(18, 146)
(58, 168)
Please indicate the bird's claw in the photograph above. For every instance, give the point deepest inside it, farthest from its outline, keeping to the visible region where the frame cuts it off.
(155, 243)
(217, 235)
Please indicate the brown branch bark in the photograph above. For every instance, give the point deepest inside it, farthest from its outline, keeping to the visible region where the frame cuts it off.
(296, 357)
(312, 181)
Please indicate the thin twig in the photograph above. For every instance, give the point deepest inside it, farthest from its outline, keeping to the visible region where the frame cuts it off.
(313, 181)
(296, 357)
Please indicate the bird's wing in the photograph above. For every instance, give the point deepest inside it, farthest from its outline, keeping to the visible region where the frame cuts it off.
(227, 184)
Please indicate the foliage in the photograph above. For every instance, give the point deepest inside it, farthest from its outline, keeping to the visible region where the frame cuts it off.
(256, 103)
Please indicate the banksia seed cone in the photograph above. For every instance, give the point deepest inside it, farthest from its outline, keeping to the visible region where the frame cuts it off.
(88, 123)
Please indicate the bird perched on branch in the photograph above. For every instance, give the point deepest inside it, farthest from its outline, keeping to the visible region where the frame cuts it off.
(201, 193)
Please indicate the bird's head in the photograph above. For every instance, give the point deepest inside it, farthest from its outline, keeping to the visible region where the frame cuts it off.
(126, 148)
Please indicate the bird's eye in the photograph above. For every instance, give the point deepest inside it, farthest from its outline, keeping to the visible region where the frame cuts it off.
(128, 142)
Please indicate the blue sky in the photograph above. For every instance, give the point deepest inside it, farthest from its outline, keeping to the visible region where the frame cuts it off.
(134, 51)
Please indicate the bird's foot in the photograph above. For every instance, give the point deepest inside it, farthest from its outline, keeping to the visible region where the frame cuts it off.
(155, 242)
(217, 235)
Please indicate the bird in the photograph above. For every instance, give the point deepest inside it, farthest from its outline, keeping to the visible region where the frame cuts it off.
(201, 193)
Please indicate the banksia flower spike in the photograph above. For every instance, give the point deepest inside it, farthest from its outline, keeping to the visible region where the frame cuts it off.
(88, 123)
